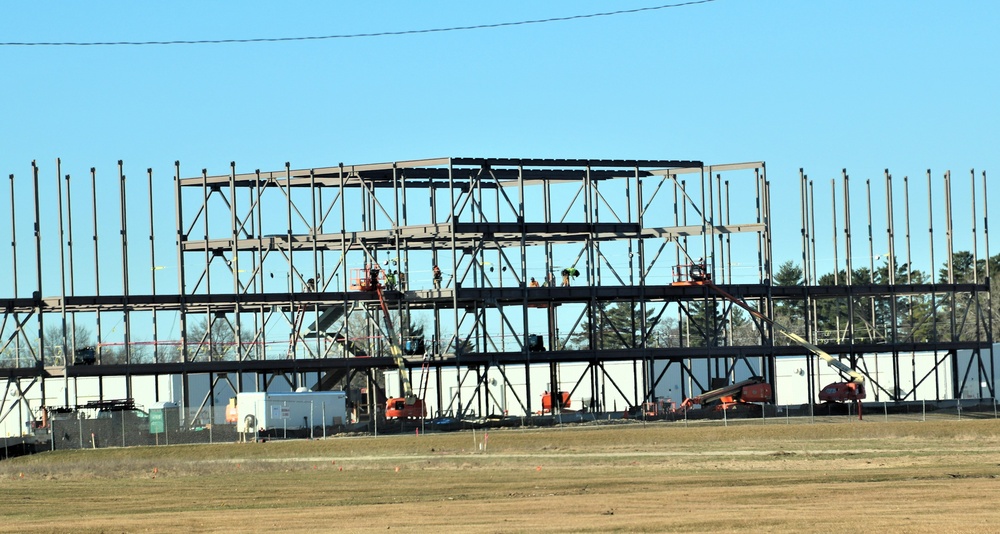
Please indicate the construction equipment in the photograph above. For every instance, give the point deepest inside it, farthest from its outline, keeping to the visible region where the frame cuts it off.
(409, 406)
(658, 408)
(850, 391)
(751, 390)
(560, 399)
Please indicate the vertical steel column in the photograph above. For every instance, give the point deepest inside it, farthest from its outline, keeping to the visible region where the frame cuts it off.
(811, 224)
(708, 218)
(342, 194)
(62, 282)
(989, 290)
(453, 220)
(234, 265)
(37, 294)
(181, 285)
(523, 251)
(718, 212)
(152, 279)
(97, 256)
(649, 362)
(126, 315)
(152, 276)
(72, 270)
(316, 275)
(871, 264)
(934, 280)
(891, 272)
(805, 230)
(975, 279)
(768, 227)
(260, 320)
(404, 260)
(951, 252)
(290, 351)
(209, 318)
(728, 239)
(989, 276)
(764, 268)
(806, 276)
(909, 280)
(13, 269)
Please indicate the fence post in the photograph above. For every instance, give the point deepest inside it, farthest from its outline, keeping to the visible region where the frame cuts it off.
(885, 408)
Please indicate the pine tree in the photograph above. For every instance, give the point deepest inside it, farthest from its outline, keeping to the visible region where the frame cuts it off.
(616, 326)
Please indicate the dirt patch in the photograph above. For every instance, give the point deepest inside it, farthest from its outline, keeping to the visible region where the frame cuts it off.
(914, 477)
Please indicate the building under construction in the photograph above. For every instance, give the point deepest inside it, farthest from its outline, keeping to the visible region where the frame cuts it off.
(253, 279)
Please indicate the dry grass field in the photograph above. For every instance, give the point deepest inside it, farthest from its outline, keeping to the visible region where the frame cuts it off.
(658, 477)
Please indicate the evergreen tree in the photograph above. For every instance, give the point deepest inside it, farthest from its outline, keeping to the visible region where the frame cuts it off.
(617, 325)
(789, 312)
(706, 324)
(964, 310)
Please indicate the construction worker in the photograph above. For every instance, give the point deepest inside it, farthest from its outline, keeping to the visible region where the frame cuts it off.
(373, 272)
(310, 286)
(699, 272)
(437, 277)
(533, 283)
(390, 280)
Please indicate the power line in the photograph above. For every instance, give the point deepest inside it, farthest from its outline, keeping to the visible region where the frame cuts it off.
(357, 35)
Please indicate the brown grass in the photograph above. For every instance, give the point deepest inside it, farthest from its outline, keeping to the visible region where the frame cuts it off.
(867, 477)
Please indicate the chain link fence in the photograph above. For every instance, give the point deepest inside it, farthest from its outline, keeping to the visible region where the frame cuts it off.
(179, 425)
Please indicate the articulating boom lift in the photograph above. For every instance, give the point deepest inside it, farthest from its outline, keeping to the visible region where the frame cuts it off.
(409, 406)
(748, 391)
(851, 391)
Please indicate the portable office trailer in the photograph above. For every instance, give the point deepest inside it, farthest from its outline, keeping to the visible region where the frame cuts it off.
(301, 409)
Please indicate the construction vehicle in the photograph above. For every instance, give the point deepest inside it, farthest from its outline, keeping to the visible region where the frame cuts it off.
(850, 391)
(409, 406)
(560, 399)
(751, 390)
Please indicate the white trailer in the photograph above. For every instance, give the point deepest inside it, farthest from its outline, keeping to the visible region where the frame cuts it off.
(291, 411)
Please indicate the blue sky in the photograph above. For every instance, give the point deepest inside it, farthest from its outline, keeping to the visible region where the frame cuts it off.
(821, 85)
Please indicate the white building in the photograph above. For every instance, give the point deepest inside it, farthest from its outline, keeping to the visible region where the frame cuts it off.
(615, 388)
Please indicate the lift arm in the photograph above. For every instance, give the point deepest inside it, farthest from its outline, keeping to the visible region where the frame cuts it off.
(395, 349)
(830, 360)
(716, 394)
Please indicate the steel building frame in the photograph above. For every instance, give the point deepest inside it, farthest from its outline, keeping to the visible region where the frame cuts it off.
(492, 224)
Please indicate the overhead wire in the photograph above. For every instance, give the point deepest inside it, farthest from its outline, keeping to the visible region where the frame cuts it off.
(355, 35)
